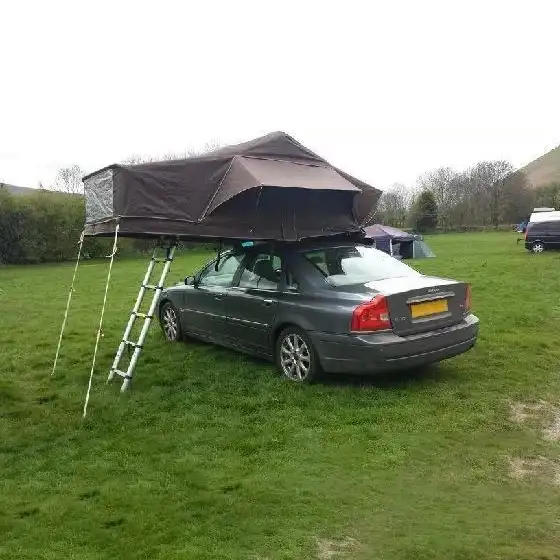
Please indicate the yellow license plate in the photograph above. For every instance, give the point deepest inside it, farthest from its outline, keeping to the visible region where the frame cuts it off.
(427, 308)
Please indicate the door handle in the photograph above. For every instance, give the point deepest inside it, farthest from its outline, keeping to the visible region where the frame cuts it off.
(267, 302)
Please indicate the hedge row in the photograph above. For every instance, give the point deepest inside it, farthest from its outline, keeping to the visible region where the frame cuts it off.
(45, 226)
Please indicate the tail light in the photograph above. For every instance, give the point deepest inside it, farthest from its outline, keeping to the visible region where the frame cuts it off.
(468, 299)
(371, 316)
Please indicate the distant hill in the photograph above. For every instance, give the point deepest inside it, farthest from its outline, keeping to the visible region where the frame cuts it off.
(18, 191)
(12, 189)
(545, 169)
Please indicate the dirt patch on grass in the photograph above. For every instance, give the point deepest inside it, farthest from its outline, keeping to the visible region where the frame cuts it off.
(539, 468)
(521, 412)
(538, 413)
(552, 433)
(333, 549)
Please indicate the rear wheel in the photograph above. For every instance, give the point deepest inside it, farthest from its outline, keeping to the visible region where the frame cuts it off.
(170, 324)
(537, 247)
(296, 357)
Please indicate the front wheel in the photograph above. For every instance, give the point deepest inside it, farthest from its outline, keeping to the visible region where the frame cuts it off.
(296, 357)
(537, 247)
(170, 323)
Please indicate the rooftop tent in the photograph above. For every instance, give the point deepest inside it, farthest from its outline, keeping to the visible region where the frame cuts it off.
(268, 188)
(396, 242)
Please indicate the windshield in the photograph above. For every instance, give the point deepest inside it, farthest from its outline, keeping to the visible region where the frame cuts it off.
(357, 264)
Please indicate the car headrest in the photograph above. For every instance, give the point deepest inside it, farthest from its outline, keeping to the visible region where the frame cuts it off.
(263, 269)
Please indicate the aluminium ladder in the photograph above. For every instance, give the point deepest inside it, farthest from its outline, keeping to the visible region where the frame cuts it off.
(138, 344)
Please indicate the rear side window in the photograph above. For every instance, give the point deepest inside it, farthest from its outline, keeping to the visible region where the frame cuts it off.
(553, 228)
(538, 228)
(356, 264)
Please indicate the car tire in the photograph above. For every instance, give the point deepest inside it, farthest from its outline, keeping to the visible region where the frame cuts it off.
(296, 357)
(537, 247)
(170, 322)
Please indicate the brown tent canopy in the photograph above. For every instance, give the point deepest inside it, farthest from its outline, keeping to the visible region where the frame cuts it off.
(268, 188)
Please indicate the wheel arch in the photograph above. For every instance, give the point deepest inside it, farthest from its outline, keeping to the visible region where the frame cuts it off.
(161, 302)
(286, 322)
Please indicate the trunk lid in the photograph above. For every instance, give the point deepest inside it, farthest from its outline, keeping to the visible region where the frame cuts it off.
(422, 303)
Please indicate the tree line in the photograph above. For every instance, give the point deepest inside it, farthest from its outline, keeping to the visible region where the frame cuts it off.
(489, 194)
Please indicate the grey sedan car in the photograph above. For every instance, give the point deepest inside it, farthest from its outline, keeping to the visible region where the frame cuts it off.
(325, 306)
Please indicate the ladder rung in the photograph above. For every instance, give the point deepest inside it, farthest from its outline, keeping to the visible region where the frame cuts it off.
(152, 287)
(130, 343)
(143, 315)
(122, 373)
(159, 260)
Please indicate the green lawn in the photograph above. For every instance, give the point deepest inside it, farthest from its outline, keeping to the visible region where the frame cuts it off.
(213, 455)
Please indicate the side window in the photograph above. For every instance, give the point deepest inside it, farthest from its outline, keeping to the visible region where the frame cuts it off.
(554, 228)
(539, 229)
(319, 259)
(262, 271)
(224, 275)
(330, 261)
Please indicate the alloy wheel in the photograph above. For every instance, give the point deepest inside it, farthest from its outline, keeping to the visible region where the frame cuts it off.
(170, 324)
(295, 357)
(538, 248)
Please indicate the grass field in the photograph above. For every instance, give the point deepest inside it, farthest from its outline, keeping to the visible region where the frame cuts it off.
(212, 455)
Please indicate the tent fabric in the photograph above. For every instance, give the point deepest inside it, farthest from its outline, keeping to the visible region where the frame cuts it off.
(422, 250)
(269, 188)
(397, 242)
(378, 231)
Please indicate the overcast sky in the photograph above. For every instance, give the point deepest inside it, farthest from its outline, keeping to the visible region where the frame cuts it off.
(386, 90)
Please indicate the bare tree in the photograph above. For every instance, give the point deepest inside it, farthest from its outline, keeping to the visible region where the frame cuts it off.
(69, 180)
(209, 146)
(394, 205)
(445, 184)
(488, 193)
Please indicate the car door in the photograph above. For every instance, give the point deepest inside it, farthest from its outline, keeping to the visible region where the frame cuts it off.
(252, 304)
(204, 308)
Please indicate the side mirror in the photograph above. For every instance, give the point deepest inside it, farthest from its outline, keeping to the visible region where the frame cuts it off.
(189, 281)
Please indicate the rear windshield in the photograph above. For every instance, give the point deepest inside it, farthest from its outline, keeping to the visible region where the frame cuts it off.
(343, 266)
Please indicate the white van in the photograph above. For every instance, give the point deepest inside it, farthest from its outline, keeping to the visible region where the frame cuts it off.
(544, 216)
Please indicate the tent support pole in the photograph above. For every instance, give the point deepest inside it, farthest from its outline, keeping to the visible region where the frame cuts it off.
(99, 330)
(80, 245)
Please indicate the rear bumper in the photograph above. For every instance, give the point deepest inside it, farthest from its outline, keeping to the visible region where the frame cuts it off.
(382, 352)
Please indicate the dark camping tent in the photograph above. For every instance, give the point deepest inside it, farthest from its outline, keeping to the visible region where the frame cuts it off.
(268, 188)
(398, 243)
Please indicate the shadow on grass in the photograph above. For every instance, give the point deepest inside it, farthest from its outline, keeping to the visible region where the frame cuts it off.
(433, 373)
(390, 380)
